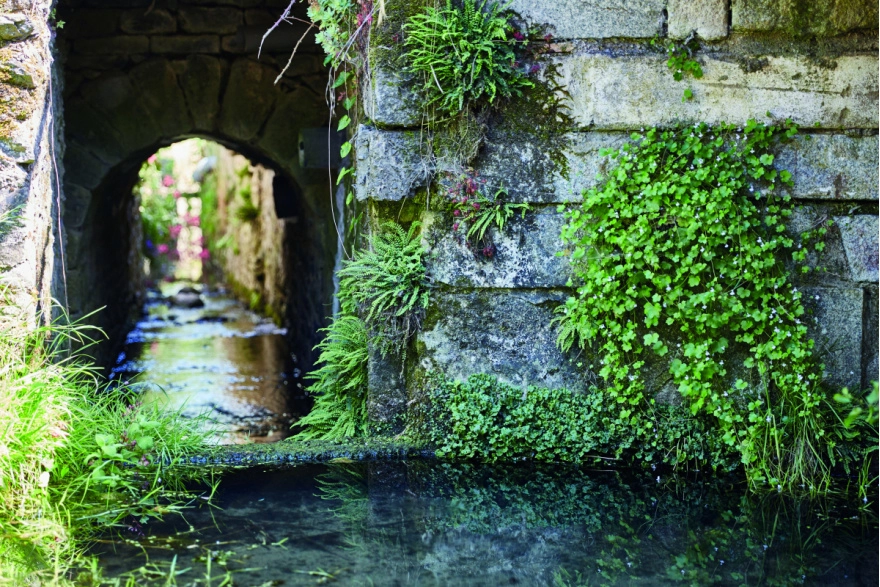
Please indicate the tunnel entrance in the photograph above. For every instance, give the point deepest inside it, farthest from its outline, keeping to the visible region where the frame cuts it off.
(140, 75)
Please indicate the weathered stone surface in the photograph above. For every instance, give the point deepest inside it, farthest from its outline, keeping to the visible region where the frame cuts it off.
(220, 21)
(248, 100)
(828, 266)
(834, 322)
(77, 200)
(201, 82)
(126, 45)
(162, 98)
(507, 334)
(707, 17)
(623, 92)
(525, 254)
(817, 17)
(389, 164)
(386, 391)
(279, 138)
(594, 19)
(185, 45)
(157, 21)
(870, 343)
(831, 167)
(14, 27)
(82, 167)
(15, 74)
(860, 239)
(388, 99)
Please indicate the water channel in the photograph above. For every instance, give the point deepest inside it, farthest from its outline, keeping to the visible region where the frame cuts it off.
(426, 522)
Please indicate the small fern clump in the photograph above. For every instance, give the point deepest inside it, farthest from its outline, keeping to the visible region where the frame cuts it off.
(387, 283)
(463, 55)
(340, 384)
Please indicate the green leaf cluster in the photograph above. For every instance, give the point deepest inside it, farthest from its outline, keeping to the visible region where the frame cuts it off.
(463, 55)
(677, 257)
(485, 419)
(386, 283)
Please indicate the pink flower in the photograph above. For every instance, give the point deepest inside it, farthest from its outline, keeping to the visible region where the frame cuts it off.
(456, 212)
(518, 36)
(176, 193)
(174, 230)
(152, 159)
(163, 249)
(204, 254)
(476, 206)
(168, 181)
(455, 226)
(193, 220)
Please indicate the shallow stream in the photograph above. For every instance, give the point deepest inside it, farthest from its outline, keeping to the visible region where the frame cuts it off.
(220, 359)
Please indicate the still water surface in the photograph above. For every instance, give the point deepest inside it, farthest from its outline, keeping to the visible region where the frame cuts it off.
(429, 523)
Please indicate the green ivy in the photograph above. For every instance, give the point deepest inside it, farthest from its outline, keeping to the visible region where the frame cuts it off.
(676, 257)
(463, 55)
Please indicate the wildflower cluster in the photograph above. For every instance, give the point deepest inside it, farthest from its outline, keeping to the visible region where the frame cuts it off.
(478, 211)
(170, 213)
(676, 258)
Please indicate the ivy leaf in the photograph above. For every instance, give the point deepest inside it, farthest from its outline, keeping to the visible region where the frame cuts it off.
(343, 123)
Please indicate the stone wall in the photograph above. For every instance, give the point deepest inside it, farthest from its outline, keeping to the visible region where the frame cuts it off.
(30, 153)
(815, 63)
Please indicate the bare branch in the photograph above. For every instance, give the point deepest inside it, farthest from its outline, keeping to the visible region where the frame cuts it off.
(276, 25)
(292, 53)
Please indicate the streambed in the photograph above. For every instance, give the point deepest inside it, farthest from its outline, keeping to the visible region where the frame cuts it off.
(434, 523)
(220, 359)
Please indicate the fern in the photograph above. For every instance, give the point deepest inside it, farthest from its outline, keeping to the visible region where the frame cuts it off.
(463, 55)
(340, 384)
(387, 283)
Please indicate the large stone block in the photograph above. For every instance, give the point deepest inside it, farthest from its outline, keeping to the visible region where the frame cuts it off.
(386, 391)
(158, 21)
(817, 17)
(707, 17)
(831, 167)
(834, 322)
(626, 92)
(185, 45)
(249, 99)
(860, 240)
(507, 334)
(390, 165)
(389, 99)
(219, 21)
(161, 96)
(202, 80)
(525, 256)
(124, 45)
(593, 19)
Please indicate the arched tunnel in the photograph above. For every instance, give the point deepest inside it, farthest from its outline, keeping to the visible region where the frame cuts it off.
(142, 74)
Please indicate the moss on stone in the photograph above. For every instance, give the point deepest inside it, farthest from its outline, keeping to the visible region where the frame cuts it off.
(315, 451)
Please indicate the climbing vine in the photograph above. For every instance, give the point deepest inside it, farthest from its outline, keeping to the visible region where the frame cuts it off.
(676, 258)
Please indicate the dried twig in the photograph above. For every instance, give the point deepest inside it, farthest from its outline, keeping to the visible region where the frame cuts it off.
(278, 22)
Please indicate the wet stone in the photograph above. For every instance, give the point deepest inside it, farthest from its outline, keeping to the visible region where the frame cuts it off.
(834, 322)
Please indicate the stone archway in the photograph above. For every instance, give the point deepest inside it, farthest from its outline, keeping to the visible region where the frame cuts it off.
(140, 75)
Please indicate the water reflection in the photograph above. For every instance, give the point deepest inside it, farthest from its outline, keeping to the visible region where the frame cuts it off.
(427, 523)
(220, 358)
